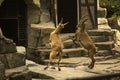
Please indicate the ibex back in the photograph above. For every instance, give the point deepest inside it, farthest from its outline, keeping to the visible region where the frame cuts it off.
(56, 44)
(82, 39)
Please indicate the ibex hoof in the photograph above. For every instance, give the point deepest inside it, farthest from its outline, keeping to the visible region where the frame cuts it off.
(45, 68)
(90, 67)
(59, 69)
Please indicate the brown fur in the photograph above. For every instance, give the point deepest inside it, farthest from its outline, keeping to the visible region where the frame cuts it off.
(82, 38)
(56, 45)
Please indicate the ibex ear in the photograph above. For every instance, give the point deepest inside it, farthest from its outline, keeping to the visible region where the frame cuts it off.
(65, 23)
(61, 21)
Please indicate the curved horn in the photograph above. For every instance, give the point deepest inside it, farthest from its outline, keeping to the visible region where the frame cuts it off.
(61, 20)
(65, 23)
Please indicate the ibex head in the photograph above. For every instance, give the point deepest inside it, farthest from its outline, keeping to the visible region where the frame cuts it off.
(82, 20)
(60, 26)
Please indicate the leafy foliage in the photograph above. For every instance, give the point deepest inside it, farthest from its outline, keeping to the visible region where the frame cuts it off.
(113, 7)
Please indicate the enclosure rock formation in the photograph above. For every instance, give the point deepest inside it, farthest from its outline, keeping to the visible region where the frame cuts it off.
(10, 59)
(39, 39)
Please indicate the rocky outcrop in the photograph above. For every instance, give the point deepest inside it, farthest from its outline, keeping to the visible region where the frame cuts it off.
(39, 39)
(11, 57)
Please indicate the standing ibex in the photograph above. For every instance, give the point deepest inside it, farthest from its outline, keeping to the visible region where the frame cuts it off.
(82, 39)
(56, 44)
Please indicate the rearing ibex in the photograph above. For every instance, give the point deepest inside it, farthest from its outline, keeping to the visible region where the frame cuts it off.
(82, 39)
(56, 44)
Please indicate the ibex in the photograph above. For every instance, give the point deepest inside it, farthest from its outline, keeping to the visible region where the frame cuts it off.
(56, 44)
(82, 39)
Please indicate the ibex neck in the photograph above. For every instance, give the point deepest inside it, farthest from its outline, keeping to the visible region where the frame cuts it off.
(82, 27)
(58, 29)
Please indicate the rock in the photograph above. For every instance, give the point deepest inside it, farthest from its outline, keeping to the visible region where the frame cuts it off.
(103, 24)
(104, 27)
(116, 37)
(21, 49)
(113, 22)
(38, 31)
(1, 34)
(102, 12)
(69, 44)
(116, 50)
(105, 45)
(39, 38)
(66, 36)
(18, 73)
(34, 56)
(100, 38)
(7, 46)
(4, 60)
(104, 53)
(12, 60)
(74, 52)
(45, 17)
(118, 20)
(15, 60)
(33, 11)
(9, 59)
(2, 71)
(102, 21)
(100, 32)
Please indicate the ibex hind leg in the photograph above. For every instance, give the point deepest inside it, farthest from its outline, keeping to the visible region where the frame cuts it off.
(91, 55)
(59, 59)
(53, 53)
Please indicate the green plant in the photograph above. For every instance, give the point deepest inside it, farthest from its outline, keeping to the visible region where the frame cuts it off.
(113, 7)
